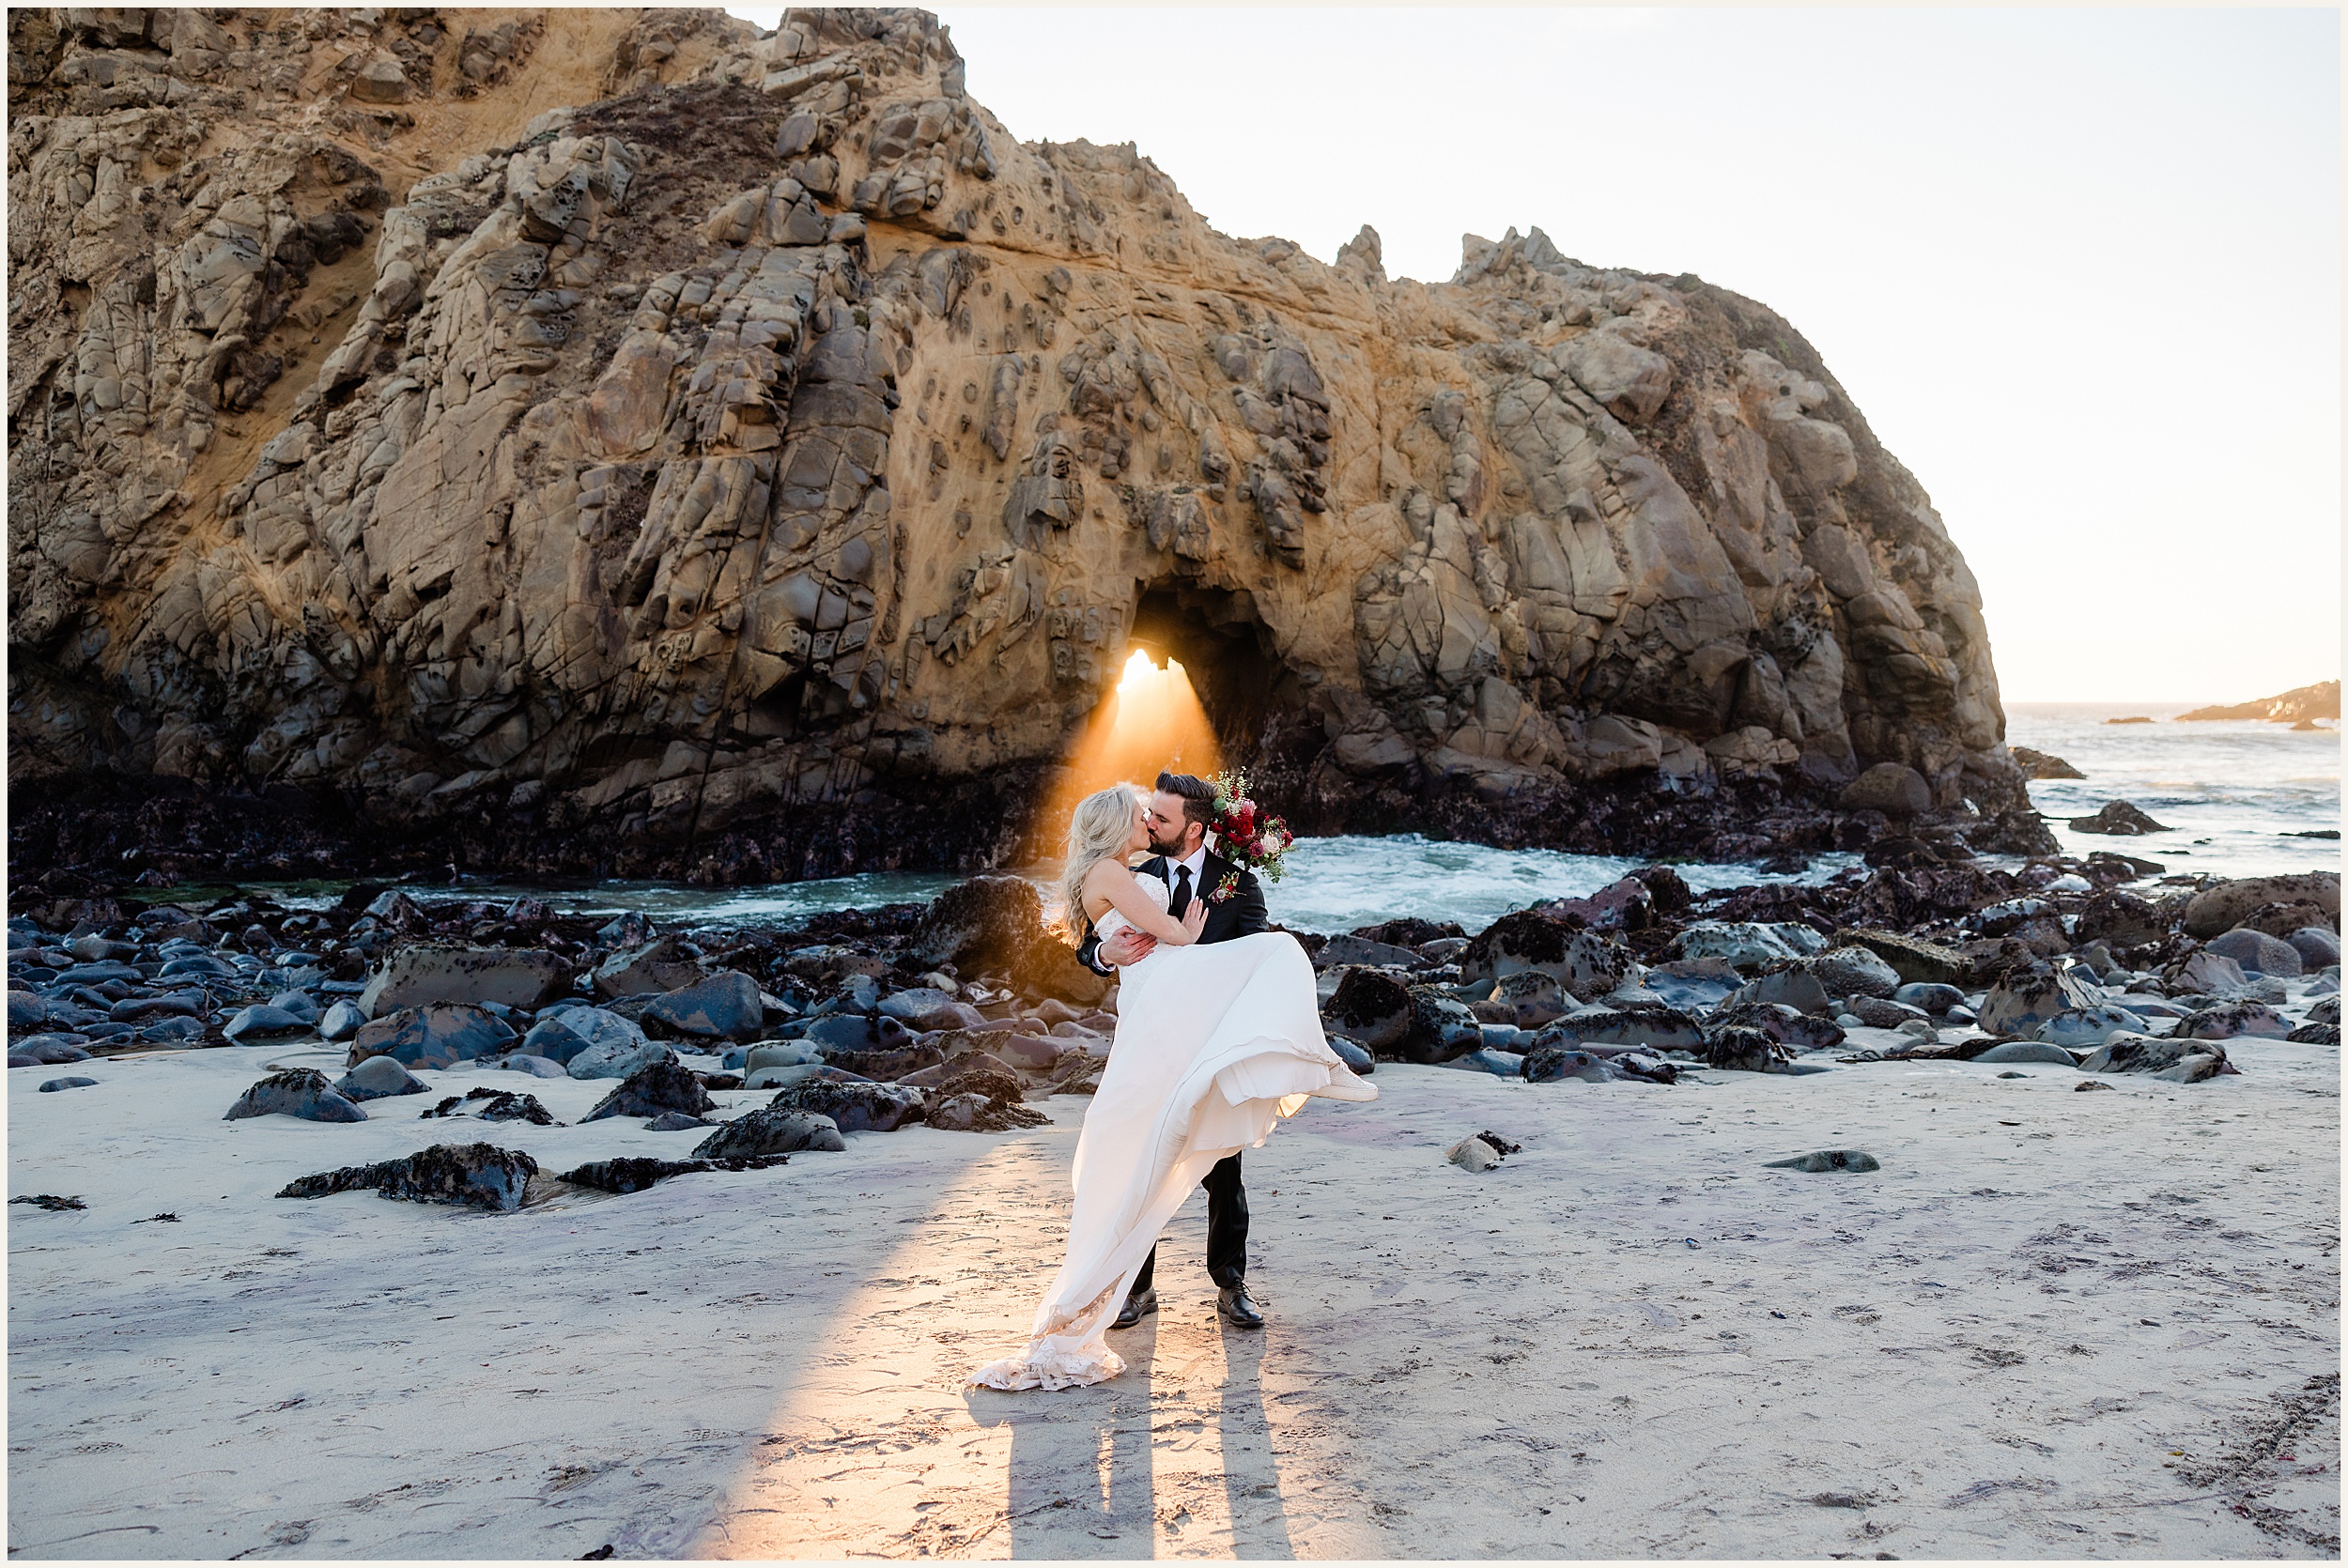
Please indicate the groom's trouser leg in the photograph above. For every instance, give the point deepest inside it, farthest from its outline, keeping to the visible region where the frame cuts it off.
(1226, 1224)
(1227, 1230)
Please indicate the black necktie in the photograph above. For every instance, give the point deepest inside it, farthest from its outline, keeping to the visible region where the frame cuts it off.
(1182, 892)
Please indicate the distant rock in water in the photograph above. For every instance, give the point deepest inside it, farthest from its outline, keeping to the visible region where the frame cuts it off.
(2299, 707)
(763, 470)
(2044, 764)
(2132, 718)
(2119, 817)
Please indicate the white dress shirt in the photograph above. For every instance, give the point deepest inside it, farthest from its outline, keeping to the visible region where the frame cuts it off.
(1197, 861)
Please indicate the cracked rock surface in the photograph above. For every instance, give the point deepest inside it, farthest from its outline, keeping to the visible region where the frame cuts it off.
(649, 446)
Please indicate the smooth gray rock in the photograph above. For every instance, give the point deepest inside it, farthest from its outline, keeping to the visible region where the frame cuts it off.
(1930, 996)
(2316, 945)
(619, 1061)
(725, 1006)
(2232, 1021)
(379, 1078)
(262, 1022)
(536, 1067)
(438, 1035)
(2030, 1050)
(2084, 1028)
(299, 1003)
(1854, 972)
(2177, 1060)
(302, 1092)
(431, 972)
(2257, 953)
(342, 1020)
(56, 1085)
(1793, 987)
(772, 1131)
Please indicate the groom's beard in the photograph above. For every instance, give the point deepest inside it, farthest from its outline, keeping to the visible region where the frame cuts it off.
(1169, 851)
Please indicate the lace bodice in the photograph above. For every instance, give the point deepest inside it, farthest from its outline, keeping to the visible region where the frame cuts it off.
(1111, 922)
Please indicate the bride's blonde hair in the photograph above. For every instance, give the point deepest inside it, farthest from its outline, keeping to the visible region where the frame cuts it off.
(1098, 830)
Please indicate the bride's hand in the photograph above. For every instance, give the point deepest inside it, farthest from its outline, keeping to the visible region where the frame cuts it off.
(1195, 917)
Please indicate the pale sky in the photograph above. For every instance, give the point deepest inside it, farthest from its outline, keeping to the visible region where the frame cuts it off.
(2081, 268)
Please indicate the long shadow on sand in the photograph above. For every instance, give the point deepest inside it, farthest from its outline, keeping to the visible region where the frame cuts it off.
(1085, 1478)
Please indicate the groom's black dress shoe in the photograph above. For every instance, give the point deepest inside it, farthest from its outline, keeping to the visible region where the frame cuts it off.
(1136, 1307)
(1236, 1309)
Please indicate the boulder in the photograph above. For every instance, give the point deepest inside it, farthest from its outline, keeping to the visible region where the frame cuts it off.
(424, 973)
(618, 1059)
(1878, 1012)
(1742, 1050)
(988, 922)
(724, 1006)
(2318, 947)
(476, 1176)
(301, 1092)
(2282, 920)
(1853, 972)
(379, 1078)
(1652, 1025)
(1783, 1023)
(438, 1035)
(918, 1002)
(342, 1020)
(263, 1021)
(1442, 1027)
(1931, 996)
(771, 1130)
(1894, 788)
(1789, 984)
(1359, 950)
(660, 1087)
(2179, 1061)
(2084, 1028)
(2119, 817)
(2027, 997)
(1913, 960)
(2256, 953)
(662, 965)
(1528, 999)
(1747, 945)
(1371, 1008)
(44, 1050)
(2204, 974)
(2222, 906)
(1695, 985)
(1585, 963)
(2028, 1051)
(2232, 1021)
(852, 1107)
(1554, 1064)
(556, 1041)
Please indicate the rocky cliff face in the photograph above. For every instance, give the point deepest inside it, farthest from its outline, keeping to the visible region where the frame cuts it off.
(617, 440)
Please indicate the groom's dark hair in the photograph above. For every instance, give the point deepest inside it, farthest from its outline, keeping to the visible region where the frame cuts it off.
(1197, 794)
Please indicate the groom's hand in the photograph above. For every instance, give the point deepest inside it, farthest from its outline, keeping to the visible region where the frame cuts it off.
(1128, 946)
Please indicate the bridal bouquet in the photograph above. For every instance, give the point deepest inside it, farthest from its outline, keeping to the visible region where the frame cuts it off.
(1246, 835)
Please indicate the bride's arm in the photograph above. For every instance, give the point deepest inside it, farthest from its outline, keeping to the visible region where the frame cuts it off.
(1122, 889)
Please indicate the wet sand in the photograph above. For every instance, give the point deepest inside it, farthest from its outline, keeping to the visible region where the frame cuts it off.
(2108, 1328)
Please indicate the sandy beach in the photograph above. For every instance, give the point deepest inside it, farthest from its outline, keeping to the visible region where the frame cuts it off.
(2053, 1324)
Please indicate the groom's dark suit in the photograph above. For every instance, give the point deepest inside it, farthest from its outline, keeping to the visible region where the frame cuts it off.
(1242, 913)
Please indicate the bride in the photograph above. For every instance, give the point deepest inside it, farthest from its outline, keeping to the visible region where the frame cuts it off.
(1215, 1044)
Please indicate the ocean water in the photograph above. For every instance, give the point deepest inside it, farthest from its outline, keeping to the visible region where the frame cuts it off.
(2232, 791)
(1331, 885)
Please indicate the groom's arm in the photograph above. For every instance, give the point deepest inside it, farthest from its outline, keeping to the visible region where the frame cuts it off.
(1246, 902)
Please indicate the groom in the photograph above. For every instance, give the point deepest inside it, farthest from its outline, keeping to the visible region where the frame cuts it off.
(1179, 814)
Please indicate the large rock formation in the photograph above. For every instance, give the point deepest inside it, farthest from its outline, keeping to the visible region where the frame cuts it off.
(620, 440)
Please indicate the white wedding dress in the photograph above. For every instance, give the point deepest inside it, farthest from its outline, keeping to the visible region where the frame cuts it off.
(1214, 1045)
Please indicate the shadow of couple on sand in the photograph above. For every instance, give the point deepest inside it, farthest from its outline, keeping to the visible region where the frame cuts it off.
(1098, 1471)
